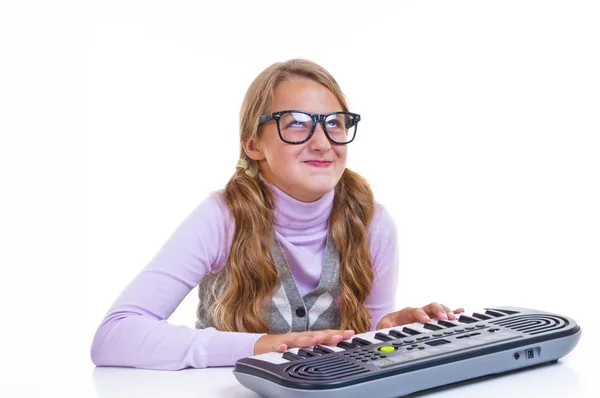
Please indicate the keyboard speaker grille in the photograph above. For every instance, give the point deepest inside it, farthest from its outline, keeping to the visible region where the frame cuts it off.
(533, 323)
(323, 369)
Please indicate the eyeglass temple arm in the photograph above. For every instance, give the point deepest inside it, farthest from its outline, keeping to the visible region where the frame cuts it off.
(265, 118)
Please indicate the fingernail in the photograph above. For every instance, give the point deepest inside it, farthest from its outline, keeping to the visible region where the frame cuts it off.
(336, 336)
(443, 315)
(281, 347)
(349, 331)
(451, 315)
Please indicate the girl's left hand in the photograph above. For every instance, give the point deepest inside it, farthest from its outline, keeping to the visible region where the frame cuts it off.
(424, 314)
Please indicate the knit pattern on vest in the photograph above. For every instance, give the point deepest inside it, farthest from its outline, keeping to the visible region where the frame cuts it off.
(288, 311)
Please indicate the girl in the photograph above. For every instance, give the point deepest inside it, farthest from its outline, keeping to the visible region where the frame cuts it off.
(294, 252)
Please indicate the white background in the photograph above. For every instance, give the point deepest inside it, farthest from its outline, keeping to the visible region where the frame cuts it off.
(480, 133)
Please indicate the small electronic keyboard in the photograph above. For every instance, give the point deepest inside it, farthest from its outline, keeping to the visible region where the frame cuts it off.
(398, 361)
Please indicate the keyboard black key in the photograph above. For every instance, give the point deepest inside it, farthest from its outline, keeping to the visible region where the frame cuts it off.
(346, 345)
(397, 334)
(508, 312)
(319, 349)
(445, 323)
(410, 331)
(383, 336)
(467, 319)
(481, 316)
(360, 341)
(432, 326)
(290, 356)
(306, 353)
(494, 313)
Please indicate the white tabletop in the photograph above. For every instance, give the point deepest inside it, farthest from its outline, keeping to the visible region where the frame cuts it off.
(572, 376)
(552, 380)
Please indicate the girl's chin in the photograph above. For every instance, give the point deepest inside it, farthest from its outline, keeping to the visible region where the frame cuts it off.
(320, 188)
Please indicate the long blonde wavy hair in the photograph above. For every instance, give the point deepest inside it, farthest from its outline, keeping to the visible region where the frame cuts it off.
(246, 282)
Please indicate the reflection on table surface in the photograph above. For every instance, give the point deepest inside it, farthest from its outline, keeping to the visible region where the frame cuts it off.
(548, 380)
(128, 382)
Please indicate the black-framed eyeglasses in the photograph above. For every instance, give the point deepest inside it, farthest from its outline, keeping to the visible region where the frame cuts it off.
(296, 127)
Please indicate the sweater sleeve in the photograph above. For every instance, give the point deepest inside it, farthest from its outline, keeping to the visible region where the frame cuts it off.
(384, 251)
(135, 331)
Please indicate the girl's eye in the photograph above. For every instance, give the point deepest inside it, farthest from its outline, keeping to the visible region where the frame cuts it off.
(297, 124)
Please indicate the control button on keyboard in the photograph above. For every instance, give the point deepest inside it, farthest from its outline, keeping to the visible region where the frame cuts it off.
(479, 326)
(387, 348)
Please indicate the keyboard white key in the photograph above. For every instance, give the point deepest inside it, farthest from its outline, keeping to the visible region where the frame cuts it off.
(333, 348)
(276, 358)
(272, 357)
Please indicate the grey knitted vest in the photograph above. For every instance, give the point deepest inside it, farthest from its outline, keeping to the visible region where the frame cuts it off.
(288, 310)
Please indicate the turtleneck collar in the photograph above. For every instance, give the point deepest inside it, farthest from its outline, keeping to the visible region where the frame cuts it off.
(294, 214)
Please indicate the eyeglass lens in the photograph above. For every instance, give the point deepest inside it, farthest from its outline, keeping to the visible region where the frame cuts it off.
(296, 126)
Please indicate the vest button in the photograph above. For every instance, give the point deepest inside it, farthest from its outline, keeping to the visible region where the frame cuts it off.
(300, 311)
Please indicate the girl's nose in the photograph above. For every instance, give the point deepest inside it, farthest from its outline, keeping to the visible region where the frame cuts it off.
(319, 140)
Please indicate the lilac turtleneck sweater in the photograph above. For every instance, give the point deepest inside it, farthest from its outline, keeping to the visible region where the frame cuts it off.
(135, 331)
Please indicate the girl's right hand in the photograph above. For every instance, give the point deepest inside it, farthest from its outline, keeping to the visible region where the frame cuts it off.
(282, 342)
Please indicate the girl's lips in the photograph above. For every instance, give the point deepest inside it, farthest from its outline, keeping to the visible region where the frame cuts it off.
(318, 163)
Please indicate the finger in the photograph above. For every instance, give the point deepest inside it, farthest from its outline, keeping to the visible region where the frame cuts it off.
(436, 310)
(303, 340)
(420, 315)
(332, 339)
(385, 323)
(280, 347)
(335, 336)
(450, 315)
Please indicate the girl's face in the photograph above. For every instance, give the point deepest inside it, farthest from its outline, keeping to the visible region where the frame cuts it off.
(304, 171)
